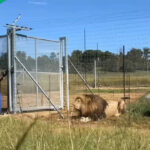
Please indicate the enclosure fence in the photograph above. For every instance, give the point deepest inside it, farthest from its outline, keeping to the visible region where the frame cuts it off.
(35, 72)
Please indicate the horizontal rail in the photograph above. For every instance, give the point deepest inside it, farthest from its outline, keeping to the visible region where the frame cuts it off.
(36, 38)
(45, 73)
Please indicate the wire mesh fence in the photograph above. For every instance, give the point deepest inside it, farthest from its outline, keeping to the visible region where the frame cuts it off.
(3, 68)
(114, 76)
(41, 59)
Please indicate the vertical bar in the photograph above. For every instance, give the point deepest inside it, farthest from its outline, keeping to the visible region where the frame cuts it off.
(67, 72)
(124, 74)
(84, 40)
(61, 74)
(14, 85)
(36, 70)
(9, 71)
(129, 103)
(97, 46)
(95, 77)
(49, 86)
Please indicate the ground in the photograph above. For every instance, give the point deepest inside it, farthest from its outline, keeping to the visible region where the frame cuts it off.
(46, 130)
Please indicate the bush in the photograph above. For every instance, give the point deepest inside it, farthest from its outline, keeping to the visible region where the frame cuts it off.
(141, 108)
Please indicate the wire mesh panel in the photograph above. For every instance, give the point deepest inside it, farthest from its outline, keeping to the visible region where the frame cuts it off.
(102, 71)
(113, 76)
(3, 68)
(41, 59)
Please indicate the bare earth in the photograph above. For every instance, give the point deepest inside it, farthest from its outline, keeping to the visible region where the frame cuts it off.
(46, 115)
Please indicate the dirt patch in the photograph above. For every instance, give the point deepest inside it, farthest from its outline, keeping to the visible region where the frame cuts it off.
(32, 100)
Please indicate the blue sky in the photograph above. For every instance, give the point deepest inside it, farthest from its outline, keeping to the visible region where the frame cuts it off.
(110, 23)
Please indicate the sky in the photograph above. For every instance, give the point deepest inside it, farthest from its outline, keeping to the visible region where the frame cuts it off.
(110, 24)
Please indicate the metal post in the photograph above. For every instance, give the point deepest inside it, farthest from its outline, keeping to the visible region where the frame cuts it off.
(14, 88)
(124, 73)
(97, 46)
(95, 77)
(84, 40)
(61, 73)
(67, 71)
(9, 70)
(36, 77)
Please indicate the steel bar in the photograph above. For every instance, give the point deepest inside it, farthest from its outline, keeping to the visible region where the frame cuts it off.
(14, 82)
(67, 72)
(124, 74)
(36, 76)
(32, 78)
(37, 38)
(95, 73)
(61, 73)
(86, 84)
(9, 71)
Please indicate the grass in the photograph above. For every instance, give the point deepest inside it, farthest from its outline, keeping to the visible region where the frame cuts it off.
(119, 90)
(45, 136)
(129, 132)
(115, 91)
(137, 79)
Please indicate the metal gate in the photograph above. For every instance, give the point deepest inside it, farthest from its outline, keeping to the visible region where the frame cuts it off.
(36, 73)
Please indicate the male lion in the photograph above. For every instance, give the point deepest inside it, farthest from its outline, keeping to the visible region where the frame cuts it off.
(115, 108)
(89, 105)
(93, 107)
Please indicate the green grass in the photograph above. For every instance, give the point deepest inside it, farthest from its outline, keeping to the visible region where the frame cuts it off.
(43, 135)
(115, 91)
(129, 132)
(113, 79)
(119, 90)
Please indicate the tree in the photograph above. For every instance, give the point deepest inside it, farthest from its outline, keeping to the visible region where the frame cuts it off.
(136, 57)
(146, 52)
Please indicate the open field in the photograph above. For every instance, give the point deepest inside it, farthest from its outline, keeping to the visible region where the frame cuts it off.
(113, 79)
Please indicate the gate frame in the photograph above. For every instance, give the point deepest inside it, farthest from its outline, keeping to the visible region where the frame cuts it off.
(12, 58)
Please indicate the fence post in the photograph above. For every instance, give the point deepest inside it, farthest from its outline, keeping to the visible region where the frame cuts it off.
(14, 83)
(67, 71)
(36, 71)
(61, 73)
(95, 77)
(9, 69)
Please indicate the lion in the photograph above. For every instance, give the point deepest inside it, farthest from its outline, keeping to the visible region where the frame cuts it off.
(115, 108)
(91, 106)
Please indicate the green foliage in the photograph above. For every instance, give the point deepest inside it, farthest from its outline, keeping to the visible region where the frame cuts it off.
(45, 63)
(141, 108)
(135, 59)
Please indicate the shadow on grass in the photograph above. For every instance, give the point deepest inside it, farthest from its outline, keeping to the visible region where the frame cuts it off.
(20, 142)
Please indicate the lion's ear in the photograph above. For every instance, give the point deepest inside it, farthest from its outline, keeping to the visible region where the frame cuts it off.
(78, 99)
(88, 96)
